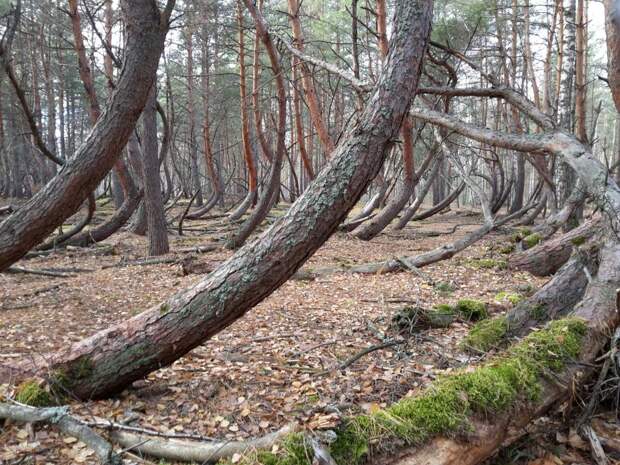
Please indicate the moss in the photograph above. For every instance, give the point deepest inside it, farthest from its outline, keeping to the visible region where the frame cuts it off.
(472, 310)
(444, 308)
(30, 392)
(507, 249)
(578, 241)
(444, 287)
(82, 369)
(532, 240)
(486, 335)
(513, 298)
(487, 263)
(446, 407)
(520, 233)
(164, 308)
(538, 312)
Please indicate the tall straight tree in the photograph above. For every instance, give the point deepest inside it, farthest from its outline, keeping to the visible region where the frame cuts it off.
(153, 201)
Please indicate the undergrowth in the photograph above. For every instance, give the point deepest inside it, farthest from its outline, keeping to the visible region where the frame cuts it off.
(445, 408)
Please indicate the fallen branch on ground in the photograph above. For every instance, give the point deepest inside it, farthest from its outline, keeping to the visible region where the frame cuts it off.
(54, 274)
(60, 418)
(195, 451)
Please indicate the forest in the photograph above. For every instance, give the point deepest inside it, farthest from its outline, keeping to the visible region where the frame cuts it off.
(310, 232)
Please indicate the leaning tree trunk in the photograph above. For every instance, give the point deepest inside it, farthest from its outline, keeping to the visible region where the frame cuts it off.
(108, 361)
(62, 196)
(377, 224)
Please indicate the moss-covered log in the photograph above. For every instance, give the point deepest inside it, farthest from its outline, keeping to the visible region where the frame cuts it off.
(465, 417)
(545, 258)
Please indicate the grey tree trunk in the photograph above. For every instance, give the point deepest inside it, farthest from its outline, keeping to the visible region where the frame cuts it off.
(153, 201)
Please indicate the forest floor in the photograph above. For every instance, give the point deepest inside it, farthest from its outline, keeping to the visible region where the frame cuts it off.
(279, 363)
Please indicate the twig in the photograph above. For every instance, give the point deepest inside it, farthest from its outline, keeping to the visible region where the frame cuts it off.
(361, 354)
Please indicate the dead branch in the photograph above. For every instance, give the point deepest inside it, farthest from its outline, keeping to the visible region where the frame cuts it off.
(60, 418)
(196, 451)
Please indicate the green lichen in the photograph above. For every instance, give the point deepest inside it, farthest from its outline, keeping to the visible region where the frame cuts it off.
(472, 310)
(532, 240)
(486, 335)
(487, 263)
(30, 392)
(513, 298)
(446, 407)
(164, 308)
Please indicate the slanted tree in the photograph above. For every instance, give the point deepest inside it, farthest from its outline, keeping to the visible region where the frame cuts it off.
(39, 216)
(107, 361)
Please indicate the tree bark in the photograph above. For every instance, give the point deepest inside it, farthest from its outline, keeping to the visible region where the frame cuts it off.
(153, 200)
(60, 198)
(157, 337)
(546, 258)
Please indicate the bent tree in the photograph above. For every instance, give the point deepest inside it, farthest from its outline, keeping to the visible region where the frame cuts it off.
(146, 28)
(107, 361)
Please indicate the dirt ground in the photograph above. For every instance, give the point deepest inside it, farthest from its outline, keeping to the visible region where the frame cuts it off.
(276, 365)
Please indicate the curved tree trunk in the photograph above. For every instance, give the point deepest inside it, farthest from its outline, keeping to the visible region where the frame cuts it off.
(157, 337)
(314, 106)
(153, 201)
(62, 196)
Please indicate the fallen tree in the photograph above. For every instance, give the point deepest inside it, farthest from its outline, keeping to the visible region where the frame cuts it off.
(110, 360)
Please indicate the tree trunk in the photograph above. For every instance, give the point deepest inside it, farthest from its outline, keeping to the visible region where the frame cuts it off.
(271, 192)
(108, 361)
(153, 201)
(62, 196)
(306, 79)
(546, 258)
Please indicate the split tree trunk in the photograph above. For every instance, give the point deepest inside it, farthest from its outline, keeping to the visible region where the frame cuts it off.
(157, 337)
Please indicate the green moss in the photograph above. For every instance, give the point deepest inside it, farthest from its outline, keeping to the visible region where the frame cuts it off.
(520, 233)
(532, 240)
(446, 407)
(486, 335)
(487, 263)
(444, 308)
(472, 310)
(83, 368)
(30, 392)
(513, 298)
(538, 312)
(164, 308)
(444, 287)
(507, 249)
(578, 241)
